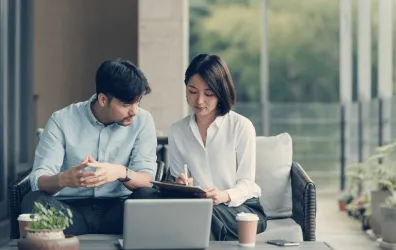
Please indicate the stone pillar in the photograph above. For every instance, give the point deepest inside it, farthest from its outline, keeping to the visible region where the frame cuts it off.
(163, 57)
(345, 51)
(264, 73)
(345, 87)
(364, 76)
(385, 67)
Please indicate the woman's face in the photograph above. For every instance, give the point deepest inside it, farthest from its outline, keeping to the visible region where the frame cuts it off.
(201, 99)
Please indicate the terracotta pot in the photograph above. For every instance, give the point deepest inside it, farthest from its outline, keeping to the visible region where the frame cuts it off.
(45, 234)
(68, 243)
(342, 205)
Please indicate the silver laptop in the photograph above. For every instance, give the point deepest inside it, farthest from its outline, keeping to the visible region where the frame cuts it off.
(167, 224)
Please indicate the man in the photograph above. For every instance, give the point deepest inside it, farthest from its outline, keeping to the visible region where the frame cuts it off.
(93, 155)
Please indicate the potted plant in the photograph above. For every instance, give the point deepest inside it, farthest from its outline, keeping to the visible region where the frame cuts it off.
(378, 174)
(357, 175)
(388, 223)
(343, 200)
(46, 229)
(383, 177)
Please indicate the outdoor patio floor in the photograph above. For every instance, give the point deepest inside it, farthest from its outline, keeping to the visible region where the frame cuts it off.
(336, 228)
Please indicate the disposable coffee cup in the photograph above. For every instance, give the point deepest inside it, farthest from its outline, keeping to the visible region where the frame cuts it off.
(24, 221)
(247, 229)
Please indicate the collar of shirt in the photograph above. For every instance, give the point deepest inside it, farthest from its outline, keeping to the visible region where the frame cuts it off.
(212, 129)
(91, 116)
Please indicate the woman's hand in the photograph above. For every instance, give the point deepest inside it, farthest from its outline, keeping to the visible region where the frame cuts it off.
(218, 196)
(183, 180)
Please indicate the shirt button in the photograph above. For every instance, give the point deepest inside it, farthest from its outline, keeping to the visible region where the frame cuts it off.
(97, 189)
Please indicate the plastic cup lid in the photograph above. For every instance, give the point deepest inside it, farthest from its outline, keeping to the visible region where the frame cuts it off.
(247, 217)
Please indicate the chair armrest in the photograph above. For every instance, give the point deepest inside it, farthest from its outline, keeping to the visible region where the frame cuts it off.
(16, 192)
(304, 201)
(159, 176)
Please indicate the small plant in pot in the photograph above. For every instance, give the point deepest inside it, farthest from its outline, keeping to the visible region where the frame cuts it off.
(343, 200)
(351, 199)
(49, 223)
(45, 232)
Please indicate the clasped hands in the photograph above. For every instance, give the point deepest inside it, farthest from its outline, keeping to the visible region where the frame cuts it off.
(105, 173)
(217, 196)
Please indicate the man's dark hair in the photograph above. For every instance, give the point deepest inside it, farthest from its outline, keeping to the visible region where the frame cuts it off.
(121, 79)
(214, 71)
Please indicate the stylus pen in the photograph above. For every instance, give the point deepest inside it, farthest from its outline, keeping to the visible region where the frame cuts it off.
(185, 173)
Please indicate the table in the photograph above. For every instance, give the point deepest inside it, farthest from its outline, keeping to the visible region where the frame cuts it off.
(112, 244)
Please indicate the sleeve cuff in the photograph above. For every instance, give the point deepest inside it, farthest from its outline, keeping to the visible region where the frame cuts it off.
(149, 168)
(147, 171)
(234, 198)
(34, 181)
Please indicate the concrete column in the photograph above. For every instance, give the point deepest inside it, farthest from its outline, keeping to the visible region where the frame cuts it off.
(345, 87)
(364, 76)
(163, 57)
(385, 66)
(364, 50)
(345, 51)
(264, 72)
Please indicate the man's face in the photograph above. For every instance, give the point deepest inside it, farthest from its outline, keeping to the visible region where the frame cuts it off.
(122, 113)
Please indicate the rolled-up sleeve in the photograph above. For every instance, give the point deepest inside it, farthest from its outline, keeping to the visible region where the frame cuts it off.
(144, 151)
(49, 153)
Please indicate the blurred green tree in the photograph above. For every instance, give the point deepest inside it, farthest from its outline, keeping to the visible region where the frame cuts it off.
(302, 40)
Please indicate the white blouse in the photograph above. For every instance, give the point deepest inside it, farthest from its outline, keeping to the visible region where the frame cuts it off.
(228, 161)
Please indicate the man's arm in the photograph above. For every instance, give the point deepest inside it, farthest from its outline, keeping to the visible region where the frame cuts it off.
(46, 175)
(139, 179)
(70, 178)
(143, 161)
(48, 159)
(108, 172)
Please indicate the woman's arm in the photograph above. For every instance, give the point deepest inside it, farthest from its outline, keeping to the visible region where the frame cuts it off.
(176, 161)
(245, 186)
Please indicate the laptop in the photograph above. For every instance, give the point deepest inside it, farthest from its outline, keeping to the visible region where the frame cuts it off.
(167, 224)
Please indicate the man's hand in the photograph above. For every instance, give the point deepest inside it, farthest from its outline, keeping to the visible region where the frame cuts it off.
(72, 176)
(105, 173)
(218, 196)
(183, 180)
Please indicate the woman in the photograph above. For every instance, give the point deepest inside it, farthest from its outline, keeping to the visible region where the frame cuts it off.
(218, 146)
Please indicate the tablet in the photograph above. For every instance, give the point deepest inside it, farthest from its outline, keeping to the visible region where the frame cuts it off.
(169, 186)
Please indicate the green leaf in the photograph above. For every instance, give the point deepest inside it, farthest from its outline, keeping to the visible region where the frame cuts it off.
(69, 212)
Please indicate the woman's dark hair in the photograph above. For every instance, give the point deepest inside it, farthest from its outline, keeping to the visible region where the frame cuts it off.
(215, 73)
(121, 79)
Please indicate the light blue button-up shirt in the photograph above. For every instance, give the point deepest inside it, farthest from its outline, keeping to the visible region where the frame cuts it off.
(73, 132)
